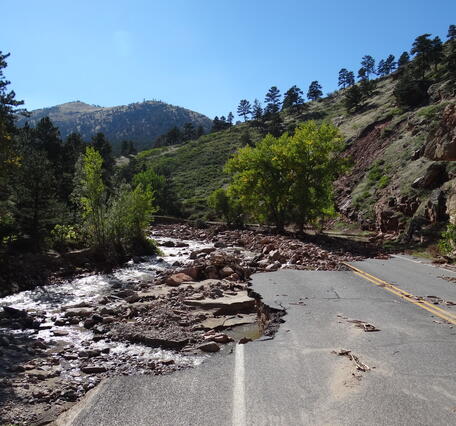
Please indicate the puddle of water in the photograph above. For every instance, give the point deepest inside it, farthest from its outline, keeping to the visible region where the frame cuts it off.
(250, 331)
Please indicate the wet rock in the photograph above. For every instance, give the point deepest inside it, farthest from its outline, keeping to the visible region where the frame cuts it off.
(15, 313)
(79, 312)
(176, 280)
(209, 347)
(89, 353)
(60, 333)
(154, 339)
(167, 244)
(222, 338)
(226, 272)
(133, 298)
(93, 369)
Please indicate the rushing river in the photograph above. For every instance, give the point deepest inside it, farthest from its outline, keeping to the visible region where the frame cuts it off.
(50, 301)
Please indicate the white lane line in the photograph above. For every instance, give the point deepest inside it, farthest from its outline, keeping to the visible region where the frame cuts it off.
(421, 263)
(239, 388)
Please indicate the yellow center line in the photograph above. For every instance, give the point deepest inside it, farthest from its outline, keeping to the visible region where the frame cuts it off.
(441, 313)
(403, 292)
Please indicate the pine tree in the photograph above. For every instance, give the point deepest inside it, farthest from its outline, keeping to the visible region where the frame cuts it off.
(381, 68)
(314, 93)
(199, 131)
(103, 147)
(343, 75)
(124, 148)
(353, 98)
(362, 74)
(350, 79)
(47, 138)
(188, 132)
(390, 64)
(230, 118)
(404, 59)
(272, 101)
(451, 32)
(9, 157)
(368, 63)
(257, 110)
(245, 138)
(423, 48)
(436, 54)
(35, 190)
(293, 98)
(244, 109)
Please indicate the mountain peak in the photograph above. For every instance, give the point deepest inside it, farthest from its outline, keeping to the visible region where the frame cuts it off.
(140, 122)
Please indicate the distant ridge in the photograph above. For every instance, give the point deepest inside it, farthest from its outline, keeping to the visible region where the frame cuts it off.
(141, 122)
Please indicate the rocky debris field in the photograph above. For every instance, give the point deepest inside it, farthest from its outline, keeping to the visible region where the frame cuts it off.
(193, 303)
(273, 251)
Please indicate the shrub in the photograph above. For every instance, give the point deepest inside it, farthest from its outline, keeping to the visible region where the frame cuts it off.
(447, 243)
(411, 93)
(226, 207)
(63, 236)
(383, 182)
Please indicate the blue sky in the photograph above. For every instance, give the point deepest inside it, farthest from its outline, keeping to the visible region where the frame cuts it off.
(205, 55)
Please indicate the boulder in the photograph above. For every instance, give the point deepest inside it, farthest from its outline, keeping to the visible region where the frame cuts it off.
(79, 312)
(434, 177)
(209, 347)
(154, 341)
(441, 145)
(93, 369)
(435, 210)
(14, 313)
(226, 271)
(176, 280)
(451, 208)
(388, 220)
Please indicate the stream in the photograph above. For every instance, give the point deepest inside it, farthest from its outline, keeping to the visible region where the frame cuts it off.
(50, 302)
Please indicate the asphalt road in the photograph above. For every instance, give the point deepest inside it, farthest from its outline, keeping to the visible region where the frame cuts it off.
(296, 378)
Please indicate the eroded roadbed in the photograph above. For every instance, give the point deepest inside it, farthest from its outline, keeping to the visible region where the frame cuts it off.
(324, 366)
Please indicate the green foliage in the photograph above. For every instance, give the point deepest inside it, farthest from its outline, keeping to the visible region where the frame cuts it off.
(92, 198)
(119, 229)
(272, 101)
(288, 179)
(226, 207)
(129, 214)
(293, 99)
(383, 182)
(63, 236)
(314, 93)
(411, 93)
(353, 99)
(447, 242)
(244, 109)
(368, 64)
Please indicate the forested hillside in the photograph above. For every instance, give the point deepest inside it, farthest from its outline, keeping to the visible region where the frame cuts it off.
(142, 122)
(398, 125)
